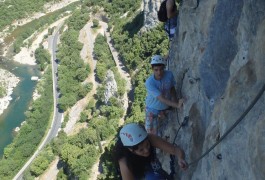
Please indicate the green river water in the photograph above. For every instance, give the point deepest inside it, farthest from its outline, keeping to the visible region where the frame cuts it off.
(13, 116)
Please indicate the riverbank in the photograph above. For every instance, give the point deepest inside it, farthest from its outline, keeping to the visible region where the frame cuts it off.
(27, 54)
(8, 81)
(48, 8)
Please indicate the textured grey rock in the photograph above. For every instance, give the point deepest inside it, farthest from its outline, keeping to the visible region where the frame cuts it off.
(111, 86)
(150, 13)
(221, 44)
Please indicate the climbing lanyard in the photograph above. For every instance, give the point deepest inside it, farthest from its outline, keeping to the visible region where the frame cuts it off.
(184, 122)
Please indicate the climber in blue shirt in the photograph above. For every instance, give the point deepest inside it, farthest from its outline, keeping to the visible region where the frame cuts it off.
(161, 95)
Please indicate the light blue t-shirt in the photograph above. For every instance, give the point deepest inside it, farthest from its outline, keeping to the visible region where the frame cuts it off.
(157, 87)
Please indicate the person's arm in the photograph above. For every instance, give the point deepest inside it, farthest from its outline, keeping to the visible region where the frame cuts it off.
(152, 90)
(174, 98)
(155, 92)
(173, 103)
(170, 8)
(173, 94)
(167, 101)
(160, 143)
(125, 172)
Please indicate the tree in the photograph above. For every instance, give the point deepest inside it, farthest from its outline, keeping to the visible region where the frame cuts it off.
(95, 23)
(8, 150)
(81, 74)
(42, 57)
(39, 166)
(2, 91)
(41, 163)
(61, 175)
(83, 117)
(69, 153)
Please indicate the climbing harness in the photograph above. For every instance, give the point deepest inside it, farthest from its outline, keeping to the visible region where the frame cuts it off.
(232, 127)
(172, 165)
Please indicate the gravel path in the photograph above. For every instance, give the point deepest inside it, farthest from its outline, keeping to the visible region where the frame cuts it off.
(121, 69)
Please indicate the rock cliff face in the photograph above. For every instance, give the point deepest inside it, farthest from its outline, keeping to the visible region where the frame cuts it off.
(150, 8)
(218, 60)
(111, 86)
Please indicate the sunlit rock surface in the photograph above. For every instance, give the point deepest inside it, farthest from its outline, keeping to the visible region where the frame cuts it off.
(150, 8)
(218, 60)
(111, 86)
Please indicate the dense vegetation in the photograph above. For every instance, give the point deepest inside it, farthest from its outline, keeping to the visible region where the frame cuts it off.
(31, 133)
(138, 105)
(80, 151)
(2, 91)
(24, 32)
(115, 8)
(11, 10)
(42, 57)
(135, 49)
(104, 58)
(42, 162)
(105, 62)
(85, 147)
(72, 70)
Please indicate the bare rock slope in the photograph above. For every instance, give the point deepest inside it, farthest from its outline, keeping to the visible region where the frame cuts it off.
(218, 60)
(150, 13)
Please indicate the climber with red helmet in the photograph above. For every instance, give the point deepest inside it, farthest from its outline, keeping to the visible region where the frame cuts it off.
(134, 153)
(161, 95)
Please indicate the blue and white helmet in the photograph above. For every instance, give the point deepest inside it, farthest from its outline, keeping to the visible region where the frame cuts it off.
(132, 134)
(157, 59)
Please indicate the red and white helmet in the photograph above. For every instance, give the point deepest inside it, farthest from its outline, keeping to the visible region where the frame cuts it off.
(132, 134)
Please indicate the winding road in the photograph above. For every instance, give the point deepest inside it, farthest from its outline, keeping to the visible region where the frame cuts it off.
(57, 116)
(88, 38)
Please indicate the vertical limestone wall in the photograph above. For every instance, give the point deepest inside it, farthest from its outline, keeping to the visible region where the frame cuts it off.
(218, 59)
(150, 8)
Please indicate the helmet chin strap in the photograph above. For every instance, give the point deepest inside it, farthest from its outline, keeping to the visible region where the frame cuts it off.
(131, 150)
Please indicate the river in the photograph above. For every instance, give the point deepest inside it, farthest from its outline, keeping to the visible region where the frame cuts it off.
(13, 116)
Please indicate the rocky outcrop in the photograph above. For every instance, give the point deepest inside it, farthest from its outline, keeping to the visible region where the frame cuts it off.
(8, 81)
(218, 60)
(110, 87)
(150, 8)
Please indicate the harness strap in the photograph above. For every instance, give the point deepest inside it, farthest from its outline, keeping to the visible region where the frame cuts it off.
(172, 166)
